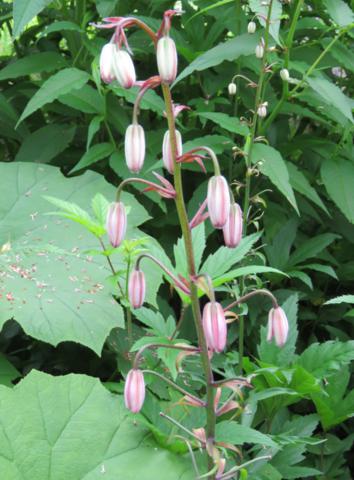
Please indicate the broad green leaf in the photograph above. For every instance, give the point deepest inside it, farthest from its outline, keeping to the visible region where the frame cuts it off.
(311, 248)
(106, 7)
(71, 427)
(326, 269)
(331, 95)
(7, 372)
(94, 154)
(198, 239)
(273, 166)
(61, 26)
(93, 128)
(322, 359)
(244, 271)
(341, 299)
(8, 119)
(34, 63)
(53, 290)
(236, 434)
(340, 12)
(232, 124)
(39, 149)
(155, 321)
(99, 206)
(24, 11)
(338, 178)
(86, 100)
(343, 54)
(230, 50)
(60, 83)
(150, 100)
(262, 8)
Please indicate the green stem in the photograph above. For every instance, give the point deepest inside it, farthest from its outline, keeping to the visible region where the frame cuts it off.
(187, 237)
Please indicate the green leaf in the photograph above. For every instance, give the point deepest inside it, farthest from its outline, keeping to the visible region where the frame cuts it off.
(340, 12)
(86, 100)
(230, 50)
(236, 434)
(94, 154)
(35, 63)
(106, 7)
(273, 166)
(94, 127)
(244, 271)
(150, 100)
(340, 299)
(50, 430)
(262, 8)
(24, 11)
(232, 124)
(99, 206)
(338, 178)
(7, 372)
(155, 321)
(198, 240)
(60, 83)
(322, 359)
(218, 143)
(61, 26)
(326, 269)
(311, 248)
(37, 148)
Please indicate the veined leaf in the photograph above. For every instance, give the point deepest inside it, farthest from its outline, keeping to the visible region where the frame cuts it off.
(35, 63)
(341, 299)
(24, 11)
(311, 248)
(321, 359)
(236, 434)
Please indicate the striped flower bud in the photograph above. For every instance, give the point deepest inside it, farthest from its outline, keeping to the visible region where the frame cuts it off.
(167, 156)
(278, 326)
(232, 229)
(259, 51)
(123, 68)
(134, 390)
(284, 74)
(166, 55)
(218, 200)
(232, 88)
(262, 110)
(136, 288)
(134, 146)
(116, 223)
(251, 27)
(106, 62)
(214, 326)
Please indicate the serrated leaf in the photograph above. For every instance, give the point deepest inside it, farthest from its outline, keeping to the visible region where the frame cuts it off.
(322, 359)
(236, 434)
(35, 63)
(244, 271)
(99, 206)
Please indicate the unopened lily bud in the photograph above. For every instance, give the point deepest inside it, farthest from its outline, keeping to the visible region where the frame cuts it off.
(116, 223)
(214, 326)
(232, 230)
(259, 51)
(232, 88)
(284, 74)
(166, 55)
(123, 68)
(218, 201)
(106, 62)
(136, 288)
(278, 326)
(262, 110)
(251, 27)
(134, 390)
(134, 146)
(167, 156)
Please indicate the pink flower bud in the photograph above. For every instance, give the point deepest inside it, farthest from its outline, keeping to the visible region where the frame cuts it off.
(136, 288)
(134, 146)
(218, 200)
(278, 326)
(106, 62)
(166, 54)
(116, 223)
(214, 325)
(134, 390)
(167, 151)
(123, 68)
(232, 229)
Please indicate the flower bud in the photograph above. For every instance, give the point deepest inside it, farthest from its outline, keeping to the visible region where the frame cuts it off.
(259, 51)
(284, 74)
(232, 88)
(123, 68)
(167, 156)
(134, 390)
(262, 110)
(278, 326)
(136, 288)
(218, 200)
(116, 223)
(251, 27)
(134, 145)
(166, 54)
(214, 325)
(106, 62)
(232, 229)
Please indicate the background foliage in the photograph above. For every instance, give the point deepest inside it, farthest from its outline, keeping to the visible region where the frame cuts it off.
(62, 136)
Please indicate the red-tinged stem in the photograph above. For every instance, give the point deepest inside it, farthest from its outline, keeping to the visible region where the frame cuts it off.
(253, 294)
(184, 348)
(155, 186)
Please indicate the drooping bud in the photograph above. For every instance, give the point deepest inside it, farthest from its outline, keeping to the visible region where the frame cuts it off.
(214, 325)
(134, 390)
(218, 200)
(259, 50)
(278, 326)
(166, 55)
(167, 156)
(262, 110)
(116, 223)
(284, 74)
(251, 27)
(123, 68)
(232, 230)
(106, 62)
(136, 288)
(232, 88)
(134, 146)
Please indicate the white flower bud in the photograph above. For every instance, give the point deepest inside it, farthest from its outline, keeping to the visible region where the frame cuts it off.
(251, 27)
(134, 146)
(166, 55)
(262, 110)
(284, 74)
(123, 68)
(259, 51)
(232, 88)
